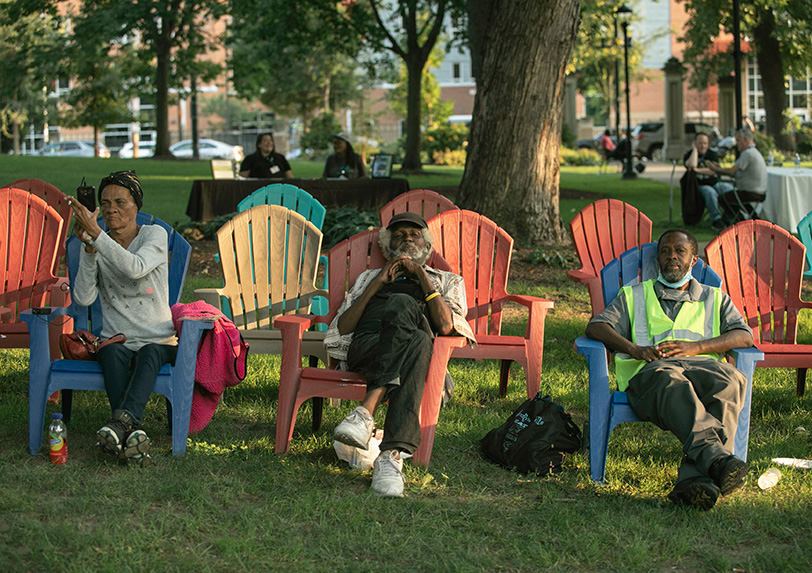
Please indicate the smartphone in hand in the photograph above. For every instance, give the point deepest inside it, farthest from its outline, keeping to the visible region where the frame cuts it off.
(86, 194)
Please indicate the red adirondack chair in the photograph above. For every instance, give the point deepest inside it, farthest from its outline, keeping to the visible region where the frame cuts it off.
(30, 231)
(424, 202)
(762, 268)
(602, 231)
(480, 251)
(56, 199)
(347, 260)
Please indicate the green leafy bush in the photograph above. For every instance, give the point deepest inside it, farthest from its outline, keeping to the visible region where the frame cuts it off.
(446, 144)
(344, 222)
(197, 230)
(578, 157)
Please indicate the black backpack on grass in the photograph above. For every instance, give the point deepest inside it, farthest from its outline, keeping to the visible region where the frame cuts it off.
(536, 438)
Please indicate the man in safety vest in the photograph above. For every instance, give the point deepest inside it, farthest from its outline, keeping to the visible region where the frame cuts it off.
(669, 335)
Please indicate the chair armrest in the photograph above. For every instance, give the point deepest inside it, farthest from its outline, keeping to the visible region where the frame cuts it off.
(746, 359)
(210, 296)
(59, 292)
(597, 362)
(188, 343)
(580, 275)
(537, 311)
(38, 327)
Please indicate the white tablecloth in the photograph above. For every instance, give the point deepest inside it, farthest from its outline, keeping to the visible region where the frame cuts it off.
(789, 196)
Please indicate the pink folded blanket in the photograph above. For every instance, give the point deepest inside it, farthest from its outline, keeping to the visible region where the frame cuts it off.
(221, 359)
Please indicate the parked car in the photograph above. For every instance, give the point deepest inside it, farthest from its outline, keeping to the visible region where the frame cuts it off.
(209, 149)
(648, 137)
(72, 149)
(145, 149)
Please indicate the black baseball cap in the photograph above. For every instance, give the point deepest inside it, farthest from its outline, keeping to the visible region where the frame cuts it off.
(411, 218)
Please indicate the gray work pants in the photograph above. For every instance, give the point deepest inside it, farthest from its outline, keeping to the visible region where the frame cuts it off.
(697, 399)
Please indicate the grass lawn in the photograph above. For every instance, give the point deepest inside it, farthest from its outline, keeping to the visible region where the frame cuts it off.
(231, 504)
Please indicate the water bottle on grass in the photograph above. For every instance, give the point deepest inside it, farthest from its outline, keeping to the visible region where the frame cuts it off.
(58, 440)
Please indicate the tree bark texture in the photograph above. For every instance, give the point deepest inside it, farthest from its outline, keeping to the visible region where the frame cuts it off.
(768, 56)
(512, 171)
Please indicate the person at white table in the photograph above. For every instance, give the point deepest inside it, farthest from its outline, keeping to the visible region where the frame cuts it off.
(750, 172)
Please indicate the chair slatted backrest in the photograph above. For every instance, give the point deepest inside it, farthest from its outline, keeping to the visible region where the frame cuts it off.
(638, 265)
(762, 268)
(270, 258)
(479, 250)
(289, 196)
(29, 236)
(56, 199)
(602, 231)
(424, 202)
(178, 249)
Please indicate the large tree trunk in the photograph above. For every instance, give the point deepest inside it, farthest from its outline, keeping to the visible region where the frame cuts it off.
(512, 172)
(411, 157)
(768, 56)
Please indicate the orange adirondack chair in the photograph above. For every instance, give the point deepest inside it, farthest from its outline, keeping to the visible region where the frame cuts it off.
(602, 231)
(480, 251)
(347, 260)
(30, 231)
(762, 268)
(56, 199)
(424, 202)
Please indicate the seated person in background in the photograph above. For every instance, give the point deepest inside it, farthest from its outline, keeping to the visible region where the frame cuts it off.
(607, 145)
(384, 328)
(265, 163)
(697, 160)
(669, 362)
(128, 268)
(344, 162)
(751, 177)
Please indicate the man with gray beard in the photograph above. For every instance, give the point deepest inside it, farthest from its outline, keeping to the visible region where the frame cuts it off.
(384, 328)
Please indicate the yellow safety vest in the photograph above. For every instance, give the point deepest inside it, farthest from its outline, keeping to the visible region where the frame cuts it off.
(695, 321)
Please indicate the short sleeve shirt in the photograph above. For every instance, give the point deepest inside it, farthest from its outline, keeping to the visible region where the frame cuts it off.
(752, 174)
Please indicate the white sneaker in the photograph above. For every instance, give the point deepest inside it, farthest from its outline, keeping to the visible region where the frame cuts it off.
(387, 474)
(356, 429)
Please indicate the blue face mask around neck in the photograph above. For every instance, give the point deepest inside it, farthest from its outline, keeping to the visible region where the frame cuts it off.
(677, 284)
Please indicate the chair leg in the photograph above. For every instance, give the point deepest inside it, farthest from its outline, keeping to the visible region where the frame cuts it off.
(67, 404)
(318, 411)
(504, 372)
(801, 382)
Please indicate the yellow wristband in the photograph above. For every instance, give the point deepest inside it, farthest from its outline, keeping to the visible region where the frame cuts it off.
(432, 295)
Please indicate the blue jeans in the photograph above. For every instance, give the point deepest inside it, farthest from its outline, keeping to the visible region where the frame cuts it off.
(711, 196)
(129, 376)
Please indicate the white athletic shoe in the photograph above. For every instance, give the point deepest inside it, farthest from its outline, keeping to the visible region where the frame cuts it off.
(387, 474)
(356, 429)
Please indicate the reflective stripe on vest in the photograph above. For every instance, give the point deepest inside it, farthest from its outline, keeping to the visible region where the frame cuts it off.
(695, 321)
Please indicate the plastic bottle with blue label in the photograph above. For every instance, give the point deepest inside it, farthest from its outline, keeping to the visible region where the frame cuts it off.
(58, 440)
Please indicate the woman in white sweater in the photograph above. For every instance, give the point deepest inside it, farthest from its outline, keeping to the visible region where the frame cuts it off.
(127, 268)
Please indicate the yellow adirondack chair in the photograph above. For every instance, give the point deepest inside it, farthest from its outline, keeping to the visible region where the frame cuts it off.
(270, 256)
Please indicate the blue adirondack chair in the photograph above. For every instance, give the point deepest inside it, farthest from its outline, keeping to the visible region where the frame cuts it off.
(174, 382)
(805, 233)
(607, 409)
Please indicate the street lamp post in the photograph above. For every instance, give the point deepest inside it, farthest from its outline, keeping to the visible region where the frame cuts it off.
(624, 14)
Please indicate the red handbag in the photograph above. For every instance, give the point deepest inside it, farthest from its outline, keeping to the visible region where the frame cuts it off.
(83, 345)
